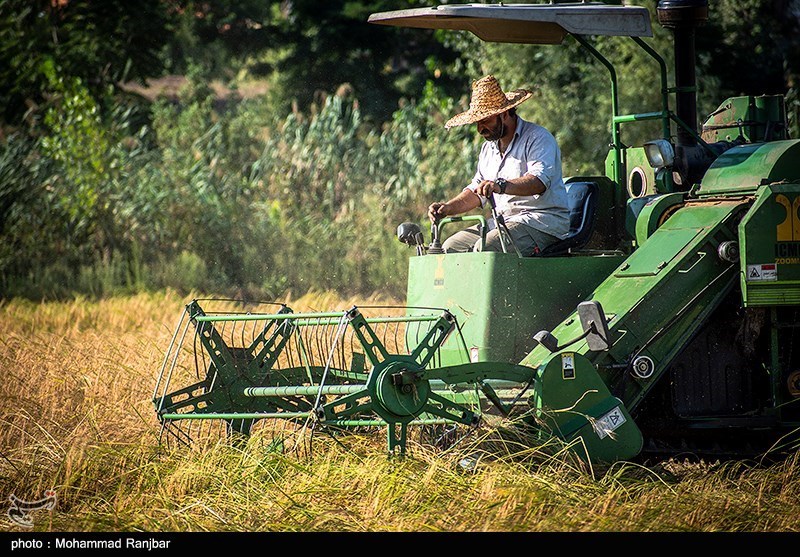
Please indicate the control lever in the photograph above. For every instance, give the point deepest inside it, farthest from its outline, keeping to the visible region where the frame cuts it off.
(436, 246)
(502, 229)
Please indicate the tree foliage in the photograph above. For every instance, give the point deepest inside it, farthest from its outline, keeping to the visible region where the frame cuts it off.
(305, 48)
(101, 43)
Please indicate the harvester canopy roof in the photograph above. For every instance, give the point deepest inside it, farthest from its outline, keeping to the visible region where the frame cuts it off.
(525, 23)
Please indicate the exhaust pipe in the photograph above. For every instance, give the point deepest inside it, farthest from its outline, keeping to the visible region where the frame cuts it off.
(683, 17)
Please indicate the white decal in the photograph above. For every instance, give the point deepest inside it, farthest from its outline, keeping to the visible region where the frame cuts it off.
(474, 354)
(767, 271)
(608, 423)
(568, 366)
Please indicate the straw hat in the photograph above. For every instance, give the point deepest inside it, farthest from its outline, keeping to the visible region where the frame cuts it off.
(487, 100)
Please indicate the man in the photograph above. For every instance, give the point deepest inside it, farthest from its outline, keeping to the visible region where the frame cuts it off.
(520, 164)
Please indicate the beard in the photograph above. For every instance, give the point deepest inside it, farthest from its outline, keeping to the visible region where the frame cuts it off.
(493, 133)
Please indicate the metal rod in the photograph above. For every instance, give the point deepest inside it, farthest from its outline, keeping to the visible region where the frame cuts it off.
(498, 223)
(257, 415)
(312, 316)
(502, 229)
(642, 116)
(362, 423)
(494, 398)
(304, 356)
(172, 367)
(303, 390)
(169, 351)
(236, 416)
(332, 350)
(664, 87)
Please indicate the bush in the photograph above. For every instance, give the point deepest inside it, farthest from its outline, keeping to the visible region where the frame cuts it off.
(226, 198)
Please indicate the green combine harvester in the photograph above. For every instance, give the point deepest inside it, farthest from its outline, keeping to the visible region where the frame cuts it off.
(665, 323)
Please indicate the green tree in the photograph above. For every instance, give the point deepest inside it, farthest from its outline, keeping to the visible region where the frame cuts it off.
(307, 49)
(332, 43)
(220, 37)
(101, 43)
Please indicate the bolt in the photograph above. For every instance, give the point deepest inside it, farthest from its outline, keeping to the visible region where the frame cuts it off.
(352, 313)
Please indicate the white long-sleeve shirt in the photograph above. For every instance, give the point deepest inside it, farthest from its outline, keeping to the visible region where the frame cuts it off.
(532, 151)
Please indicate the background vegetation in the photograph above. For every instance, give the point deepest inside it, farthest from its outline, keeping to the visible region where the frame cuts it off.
(106, 190)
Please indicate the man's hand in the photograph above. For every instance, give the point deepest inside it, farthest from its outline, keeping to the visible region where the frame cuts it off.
(463, 202)
(487, 188)
(437, 211)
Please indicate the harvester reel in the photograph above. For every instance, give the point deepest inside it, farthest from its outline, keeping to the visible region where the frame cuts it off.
(328, 369)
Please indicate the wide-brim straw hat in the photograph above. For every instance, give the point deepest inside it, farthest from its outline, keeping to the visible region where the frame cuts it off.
(487, 100)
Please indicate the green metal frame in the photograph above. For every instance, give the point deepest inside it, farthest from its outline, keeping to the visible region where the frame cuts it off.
(665, 114)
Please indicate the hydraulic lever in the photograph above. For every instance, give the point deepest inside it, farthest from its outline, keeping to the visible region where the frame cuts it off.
(502, 229)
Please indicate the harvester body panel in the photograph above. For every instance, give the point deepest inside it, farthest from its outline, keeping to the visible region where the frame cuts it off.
(500, 299)
(743, 169)
(658, 297)
(770, 248)
(573, 402)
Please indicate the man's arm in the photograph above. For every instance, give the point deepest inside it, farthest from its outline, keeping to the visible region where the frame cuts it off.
(463, 202)
(522, 186)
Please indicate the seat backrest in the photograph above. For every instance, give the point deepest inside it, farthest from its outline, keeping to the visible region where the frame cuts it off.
(582, 200)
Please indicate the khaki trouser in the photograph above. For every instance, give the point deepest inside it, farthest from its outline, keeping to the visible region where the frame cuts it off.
(528, 240)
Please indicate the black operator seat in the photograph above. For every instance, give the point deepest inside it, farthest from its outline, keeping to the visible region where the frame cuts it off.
(582, 200)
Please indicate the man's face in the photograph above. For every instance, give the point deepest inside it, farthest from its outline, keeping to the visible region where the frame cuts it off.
(491, 128)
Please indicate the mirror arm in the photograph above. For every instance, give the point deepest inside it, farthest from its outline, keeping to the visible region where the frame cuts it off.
(576, 339)
(541, 338)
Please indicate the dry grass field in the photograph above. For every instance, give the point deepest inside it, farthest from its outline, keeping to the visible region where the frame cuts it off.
(78, 418)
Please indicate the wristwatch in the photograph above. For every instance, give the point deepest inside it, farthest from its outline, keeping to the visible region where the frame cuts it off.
(501, 183)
